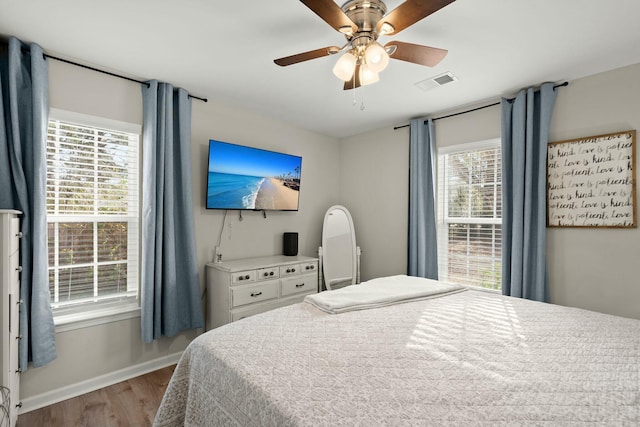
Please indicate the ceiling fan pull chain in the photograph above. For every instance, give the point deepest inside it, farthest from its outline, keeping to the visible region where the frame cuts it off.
(355, 101)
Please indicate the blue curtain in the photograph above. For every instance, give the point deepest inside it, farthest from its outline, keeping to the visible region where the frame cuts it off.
(170, 290)
(23, 176)
(423, 251)
(525, 135)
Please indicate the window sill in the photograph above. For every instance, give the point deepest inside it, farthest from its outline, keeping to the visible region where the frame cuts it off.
(89, 318)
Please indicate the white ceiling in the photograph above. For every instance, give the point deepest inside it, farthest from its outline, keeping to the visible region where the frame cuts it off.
(224, 51)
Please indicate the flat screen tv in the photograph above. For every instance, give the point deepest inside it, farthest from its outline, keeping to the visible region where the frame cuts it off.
(247, 178)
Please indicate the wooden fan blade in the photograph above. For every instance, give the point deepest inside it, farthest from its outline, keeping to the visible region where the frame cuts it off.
(353, 83)
(410, 12)
(331, 13)
(416, 53)
(305, 56)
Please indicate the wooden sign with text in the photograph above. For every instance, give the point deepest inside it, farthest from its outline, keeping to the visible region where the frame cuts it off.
(591, 181)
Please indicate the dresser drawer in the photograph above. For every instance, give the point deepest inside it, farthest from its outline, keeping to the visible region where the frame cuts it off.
(14, 268)
(303, 283)
(241, 295)
(289, 270)
(268, 273)
(14, 235)
(243, 277)
(309, 267)
(250, 311)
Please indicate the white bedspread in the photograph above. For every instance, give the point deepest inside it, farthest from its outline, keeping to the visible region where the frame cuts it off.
(380, 292)
(469, 358)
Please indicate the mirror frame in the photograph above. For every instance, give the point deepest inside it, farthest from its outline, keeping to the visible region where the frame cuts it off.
(353, 243)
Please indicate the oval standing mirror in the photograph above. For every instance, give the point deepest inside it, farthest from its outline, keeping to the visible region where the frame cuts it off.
(338, 248)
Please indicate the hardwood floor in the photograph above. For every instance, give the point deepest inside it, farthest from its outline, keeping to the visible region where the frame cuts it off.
(129, 403)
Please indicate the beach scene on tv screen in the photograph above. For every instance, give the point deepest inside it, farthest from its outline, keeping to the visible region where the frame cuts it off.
(248, 178)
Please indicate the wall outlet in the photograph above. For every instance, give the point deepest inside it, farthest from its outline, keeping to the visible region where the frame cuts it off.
(217, 256)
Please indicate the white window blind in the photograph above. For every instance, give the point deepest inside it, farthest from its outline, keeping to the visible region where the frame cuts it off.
(470, 214)
(92, 214)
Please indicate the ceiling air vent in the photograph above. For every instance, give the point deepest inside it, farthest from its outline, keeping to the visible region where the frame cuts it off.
(436, 81)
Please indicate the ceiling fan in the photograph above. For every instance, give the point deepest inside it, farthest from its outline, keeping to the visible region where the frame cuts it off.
(362, 22)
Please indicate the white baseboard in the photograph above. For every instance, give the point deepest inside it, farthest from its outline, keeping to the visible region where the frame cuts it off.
(93, 384)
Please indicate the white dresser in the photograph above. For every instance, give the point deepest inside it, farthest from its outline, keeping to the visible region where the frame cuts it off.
(244, 287)
(9, 308)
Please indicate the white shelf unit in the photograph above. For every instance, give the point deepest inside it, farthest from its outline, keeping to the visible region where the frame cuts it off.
(10, 310)
(244, 287)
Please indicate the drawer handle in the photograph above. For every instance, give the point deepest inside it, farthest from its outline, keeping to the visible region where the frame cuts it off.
(271, 273)
(19, 234)
(19, 269)
(18, 371)
(256, 294)
(19, 405)
(300, 285)
(19, 337)
(266, 274)
(310, 267)
(291, 270)
(246, 277)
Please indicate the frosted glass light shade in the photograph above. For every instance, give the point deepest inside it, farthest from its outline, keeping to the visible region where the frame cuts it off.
(367, 75)
(386, 28)
(345, 66)
(376, 57)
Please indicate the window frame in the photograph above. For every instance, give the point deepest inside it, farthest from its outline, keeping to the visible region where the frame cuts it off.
(81, 315)
(442, 206)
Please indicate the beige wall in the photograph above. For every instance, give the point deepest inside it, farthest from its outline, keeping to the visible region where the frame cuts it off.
(368, 173)
(596, 269)
(374, 172)
(84, 354)
(375, 185)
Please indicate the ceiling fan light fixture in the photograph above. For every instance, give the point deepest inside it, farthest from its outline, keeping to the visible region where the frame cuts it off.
(362, 22)
(376, 57)
(386, 28)
(390, 49)
(367, 75)
(345, 66)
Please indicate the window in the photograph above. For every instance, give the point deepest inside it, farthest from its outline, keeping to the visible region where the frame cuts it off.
(92, 212)
(470, 214)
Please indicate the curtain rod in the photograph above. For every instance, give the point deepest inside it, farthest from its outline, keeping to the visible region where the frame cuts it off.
(120, 76)
(475, 109)
(110, 73)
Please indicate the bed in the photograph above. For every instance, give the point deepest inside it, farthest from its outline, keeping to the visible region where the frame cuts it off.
(457, 358)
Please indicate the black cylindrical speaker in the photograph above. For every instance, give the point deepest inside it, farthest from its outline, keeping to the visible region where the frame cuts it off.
(290, 244)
